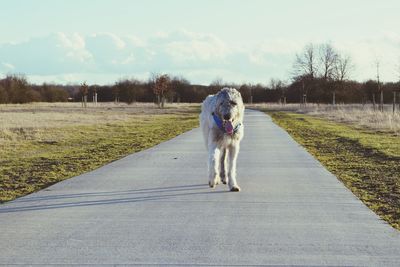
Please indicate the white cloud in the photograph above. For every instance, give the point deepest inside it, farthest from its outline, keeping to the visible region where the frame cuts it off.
(184, 46)
(74, 78)
(392, 37)
(111, 39)
(74, 47)
(200, 57)
(135, 41)
(273, 51)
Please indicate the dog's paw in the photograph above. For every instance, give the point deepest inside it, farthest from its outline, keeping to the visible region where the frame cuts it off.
(211, 184)
(214, 182)
(224, 180)
(235, 188)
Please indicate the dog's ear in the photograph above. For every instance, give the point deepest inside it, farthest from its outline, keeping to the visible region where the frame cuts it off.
(223, 92)
(238, 94)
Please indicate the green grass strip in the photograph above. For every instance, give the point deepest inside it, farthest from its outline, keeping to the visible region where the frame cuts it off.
(30, 165)
(367, 162)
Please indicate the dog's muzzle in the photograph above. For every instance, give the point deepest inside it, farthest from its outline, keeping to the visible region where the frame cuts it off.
(228, 127)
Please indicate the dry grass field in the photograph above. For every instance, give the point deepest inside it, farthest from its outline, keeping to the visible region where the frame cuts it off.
(363, 116)
(35, 116)
(43, 143)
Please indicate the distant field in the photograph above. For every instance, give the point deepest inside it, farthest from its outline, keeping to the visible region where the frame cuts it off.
(360, 148)
(38, 115)
(357, 115)
(43, 143)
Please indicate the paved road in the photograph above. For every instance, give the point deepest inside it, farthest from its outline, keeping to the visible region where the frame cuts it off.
(154, 207)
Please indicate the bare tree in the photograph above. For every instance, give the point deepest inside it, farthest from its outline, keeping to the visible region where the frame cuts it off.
(127, 89)
(161, 87)
(305, 64)
(178, 85)
(279, 85)
(3, 95)
(327, 57)
(84, 89)
(380, 89)
(341, 72)
(343, 67)
(245, 91)
(216, 85)
(305, 69)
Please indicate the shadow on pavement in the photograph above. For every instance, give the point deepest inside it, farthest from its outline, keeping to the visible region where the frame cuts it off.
(124, 192)
(151, 194)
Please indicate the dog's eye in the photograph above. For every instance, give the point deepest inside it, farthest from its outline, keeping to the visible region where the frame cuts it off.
(232, 103)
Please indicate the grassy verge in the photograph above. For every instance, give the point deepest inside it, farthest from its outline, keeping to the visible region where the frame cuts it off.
(29, 163)
(366, 161)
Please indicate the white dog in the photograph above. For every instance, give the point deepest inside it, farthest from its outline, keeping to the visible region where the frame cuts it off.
(221, 121)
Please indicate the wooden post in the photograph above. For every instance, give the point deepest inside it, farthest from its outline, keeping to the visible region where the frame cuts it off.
(394, 101)
(379, 87)
(95, 96)
(162, 101)
(159, 101)
(304, 100)
(301, 101)
(334, 98)
(373, 100)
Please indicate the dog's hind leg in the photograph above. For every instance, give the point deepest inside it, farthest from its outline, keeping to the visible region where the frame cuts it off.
(222, 166)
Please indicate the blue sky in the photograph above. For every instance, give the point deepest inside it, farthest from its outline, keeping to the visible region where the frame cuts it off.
(240, 41)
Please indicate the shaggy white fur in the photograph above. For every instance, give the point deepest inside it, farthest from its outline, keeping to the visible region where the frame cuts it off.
(223, 140)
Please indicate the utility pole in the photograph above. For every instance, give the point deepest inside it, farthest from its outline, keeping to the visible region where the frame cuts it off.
(379, 87)
(302, 93)
(95, 96)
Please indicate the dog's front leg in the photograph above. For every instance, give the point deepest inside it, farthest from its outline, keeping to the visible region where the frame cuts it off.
(233, 152)
(223, 174)
(213, 165)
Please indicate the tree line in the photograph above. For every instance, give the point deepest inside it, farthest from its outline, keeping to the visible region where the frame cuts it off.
(16, 89)
(320, 74)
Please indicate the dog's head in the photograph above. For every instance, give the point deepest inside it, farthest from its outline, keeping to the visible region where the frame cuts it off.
(229, 107)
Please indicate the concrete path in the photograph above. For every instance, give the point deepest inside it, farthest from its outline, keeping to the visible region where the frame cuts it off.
(155, 208)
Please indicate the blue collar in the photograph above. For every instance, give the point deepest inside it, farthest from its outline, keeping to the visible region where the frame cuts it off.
(220, 125)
